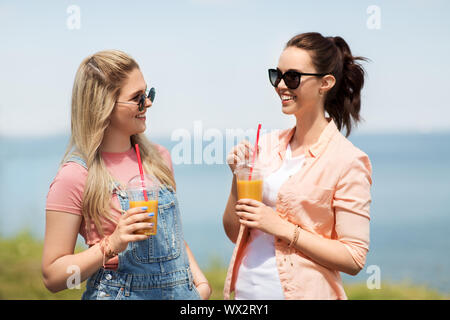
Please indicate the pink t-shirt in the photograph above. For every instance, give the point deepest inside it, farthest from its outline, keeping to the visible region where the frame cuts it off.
(66, 190)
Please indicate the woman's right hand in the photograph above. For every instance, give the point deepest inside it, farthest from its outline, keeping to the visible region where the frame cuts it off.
(131, 221)
(239, 154)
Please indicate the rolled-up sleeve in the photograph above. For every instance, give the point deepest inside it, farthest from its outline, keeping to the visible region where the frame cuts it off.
(351, 204)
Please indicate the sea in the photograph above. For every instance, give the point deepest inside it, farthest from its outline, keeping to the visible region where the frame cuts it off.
(410, 210)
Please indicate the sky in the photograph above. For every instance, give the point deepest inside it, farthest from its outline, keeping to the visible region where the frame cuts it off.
(208, 59)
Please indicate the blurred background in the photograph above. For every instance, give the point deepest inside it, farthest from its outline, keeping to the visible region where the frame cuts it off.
(208, 61)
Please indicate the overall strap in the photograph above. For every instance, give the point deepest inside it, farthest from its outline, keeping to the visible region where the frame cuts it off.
(115, 187)
(77, 159)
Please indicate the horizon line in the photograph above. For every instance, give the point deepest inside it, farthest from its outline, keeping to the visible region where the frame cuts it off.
(168, 135)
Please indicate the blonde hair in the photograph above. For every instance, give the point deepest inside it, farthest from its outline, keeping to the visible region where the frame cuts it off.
(96, 89)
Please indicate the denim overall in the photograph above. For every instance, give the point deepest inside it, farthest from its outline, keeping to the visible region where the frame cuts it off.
(151, 269)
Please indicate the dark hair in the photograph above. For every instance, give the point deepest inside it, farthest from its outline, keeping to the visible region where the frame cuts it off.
(332, 55)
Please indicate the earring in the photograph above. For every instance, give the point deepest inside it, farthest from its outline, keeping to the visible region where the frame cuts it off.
(320, 92)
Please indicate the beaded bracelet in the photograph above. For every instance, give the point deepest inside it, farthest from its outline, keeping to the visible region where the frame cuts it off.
(106, 250)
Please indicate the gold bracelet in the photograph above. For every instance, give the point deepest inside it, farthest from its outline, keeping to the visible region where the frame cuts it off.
(295, 237)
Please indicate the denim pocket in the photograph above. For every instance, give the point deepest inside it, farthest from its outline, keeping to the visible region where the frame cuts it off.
(166, 244)
(107, 292)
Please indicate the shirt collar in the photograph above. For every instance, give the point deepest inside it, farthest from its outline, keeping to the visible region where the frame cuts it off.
(316, 149)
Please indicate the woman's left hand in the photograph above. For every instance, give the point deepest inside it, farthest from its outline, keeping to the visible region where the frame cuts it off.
(255, 214)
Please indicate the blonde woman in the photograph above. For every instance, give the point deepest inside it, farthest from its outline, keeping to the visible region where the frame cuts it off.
(109, 104)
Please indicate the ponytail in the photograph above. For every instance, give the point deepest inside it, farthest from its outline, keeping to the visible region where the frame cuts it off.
(344, 104)
(333, 55)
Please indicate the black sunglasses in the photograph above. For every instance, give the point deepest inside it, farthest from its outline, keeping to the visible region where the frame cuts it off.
(291, 78)
(143, 97)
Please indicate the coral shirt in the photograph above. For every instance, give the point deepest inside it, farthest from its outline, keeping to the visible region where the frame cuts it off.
(66, 190)
(329, 197)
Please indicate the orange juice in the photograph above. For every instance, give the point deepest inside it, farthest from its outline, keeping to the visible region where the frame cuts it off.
(152, 206)
(250, 189)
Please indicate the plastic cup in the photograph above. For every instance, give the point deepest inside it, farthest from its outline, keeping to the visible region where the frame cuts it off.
(136, 197)
(249, 182)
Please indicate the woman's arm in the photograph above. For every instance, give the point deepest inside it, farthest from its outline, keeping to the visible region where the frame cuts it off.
(329, 253)
(200, 281)
(58, 255)
(61, 232)
(351, 207)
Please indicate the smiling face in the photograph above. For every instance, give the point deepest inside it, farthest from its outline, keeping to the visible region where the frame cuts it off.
(126, 118)
(306, 97)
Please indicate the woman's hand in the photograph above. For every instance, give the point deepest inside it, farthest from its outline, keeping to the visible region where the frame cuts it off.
(128, 223)
(241, 153)
(255, 214)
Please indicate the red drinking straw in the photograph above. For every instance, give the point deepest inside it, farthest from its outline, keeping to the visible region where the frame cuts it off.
(254, 153)
(141, 171)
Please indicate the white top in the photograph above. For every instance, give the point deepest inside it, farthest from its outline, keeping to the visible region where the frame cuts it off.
(258, 277)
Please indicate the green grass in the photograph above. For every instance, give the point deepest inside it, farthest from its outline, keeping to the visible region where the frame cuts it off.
(20, 271)
(21, 278)
(356, 291)
(393, 291)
